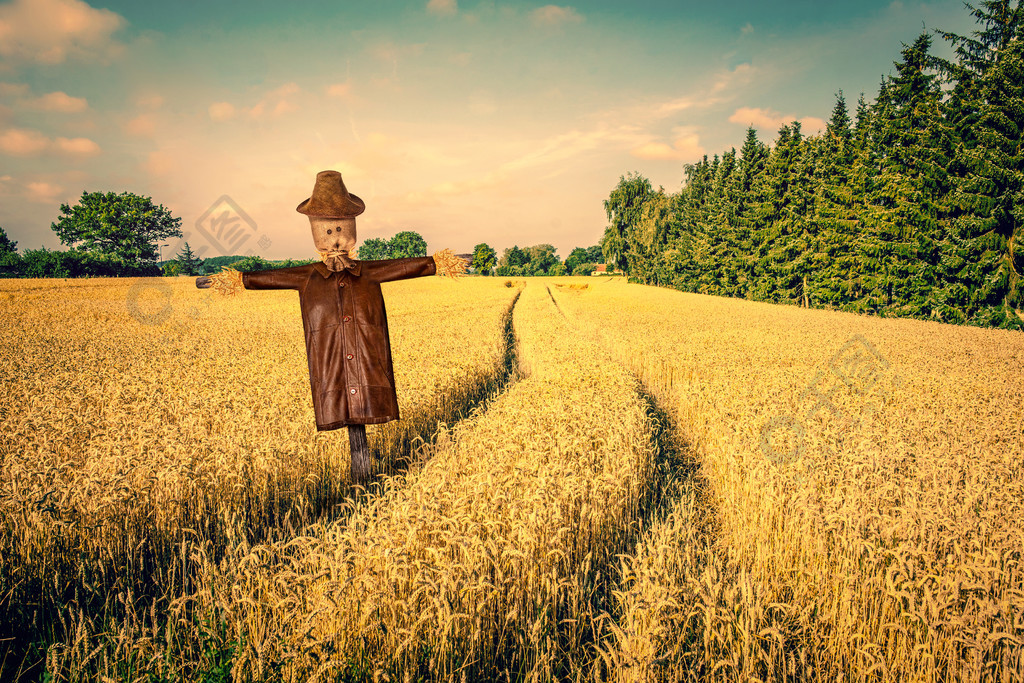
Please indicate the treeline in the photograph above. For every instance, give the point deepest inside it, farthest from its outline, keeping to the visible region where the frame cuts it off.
(910, 208)
(74, 263)
(540, 259)
(45, 262)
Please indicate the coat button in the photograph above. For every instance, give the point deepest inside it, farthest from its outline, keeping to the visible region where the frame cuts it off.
(341, 284)
(346, 318)
(351, 391)
(349, 356)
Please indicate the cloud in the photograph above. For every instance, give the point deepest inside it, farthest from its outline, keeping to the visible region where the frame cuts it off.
(553, 15)
(24, 142)
(274, 102)
(9, 89)
(58, 101)
(77, 146)
(769, 119)
(143, 125)
(284, 107)
(150, 101)
(42, 192)
(747, 29)
(284, 90)
(443, 6)
(339, 89)
(545, 158)
(741, 75)
(685, 147)
(811, 125)
(159, 163)
(222, 111)
(50, 31)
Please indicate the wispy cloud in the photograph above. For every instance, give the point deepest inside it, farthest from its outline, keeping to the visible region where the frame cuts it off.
(274, 103)
(59, 102)
(42, 192)
(555, 16)
(339, 89)
(143, 125)
(771, 120)
(443, 6)
(221, 111)
(685, 147)
(26, 142)
(21, 142)
(13, 89)
(83, 147)
(51, 31)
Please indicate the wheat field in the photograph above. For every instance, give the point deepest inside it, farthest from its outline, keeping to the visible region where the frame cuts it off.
(591, 480)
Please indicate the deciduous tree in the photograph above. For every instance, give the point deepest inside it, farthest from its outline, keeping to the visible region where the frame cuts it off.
(124, 226)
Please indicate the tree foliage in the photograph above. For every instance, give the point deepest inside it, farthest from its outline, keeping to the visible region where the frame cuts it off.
(913, 207)
(188, 262)
(375, 249)
(125, 226)
(406, 244)
(7, 245)
(484, 259)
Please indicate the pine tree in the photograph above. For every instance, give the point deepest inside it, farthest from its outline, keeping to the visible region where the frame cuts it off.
(188, 262)
(752, 181)
(911, 183)
(836, 213)
(982, 263)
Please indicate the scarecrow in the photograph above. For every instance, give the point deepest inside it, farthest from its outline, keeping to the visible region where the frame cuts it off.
(343, 316)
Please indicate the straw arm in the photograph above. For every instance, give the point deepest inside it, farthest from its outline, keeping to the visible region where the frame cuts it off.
(449, 264)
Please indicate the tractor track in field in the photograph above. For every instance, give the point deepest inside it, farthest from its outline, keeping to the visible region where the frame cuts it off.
(476, 399)
(677, 462)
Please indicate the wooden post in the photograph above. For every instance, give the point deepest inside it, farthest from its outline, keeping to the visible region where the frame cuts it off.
(361, 463)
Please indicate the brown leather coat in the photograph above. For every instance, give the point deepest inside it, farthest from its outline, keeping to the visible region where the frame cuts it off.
(347, 343)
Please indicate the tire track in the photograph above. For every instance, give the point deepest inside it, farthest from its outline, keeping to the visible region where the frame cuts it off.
(677, 489)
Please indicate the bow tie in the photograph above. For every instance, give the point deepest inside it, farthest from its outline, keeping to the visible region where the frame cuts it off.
(337, 260)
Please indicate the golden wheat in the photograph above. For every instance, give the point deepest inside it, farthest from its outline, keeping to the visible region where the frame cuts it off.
(140, 415)
(855, 517)
(886, 547)
(482, 563)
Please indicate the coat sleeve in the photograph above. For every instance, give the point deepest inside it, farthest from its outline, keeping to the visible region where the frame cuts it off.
(276, 278)
(389, 270)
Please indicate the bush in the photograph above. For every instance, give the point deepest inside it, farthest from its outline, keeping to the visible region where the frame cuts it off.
(249, 264)
(67, 264)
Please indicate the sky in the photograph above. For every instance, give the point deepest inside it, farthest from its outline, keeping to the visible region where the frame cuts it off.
(507, 123)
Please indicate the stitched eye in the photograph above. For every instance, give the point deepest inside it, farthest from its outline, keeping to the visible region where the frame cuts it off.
(328, 231)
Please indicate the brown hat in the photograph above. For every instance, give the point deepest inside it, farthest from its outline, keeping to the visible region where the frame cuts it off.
(330, 199)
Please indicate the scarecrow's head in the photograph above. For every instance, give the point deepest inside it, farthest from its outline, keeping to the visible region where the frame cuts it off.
(333, 234)
(332, 213)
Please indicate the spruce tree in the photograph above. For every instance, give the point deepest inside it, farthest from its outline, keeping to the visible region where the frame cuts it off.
(188, 262)
(836, 213)
(911, 183)
(982, 263)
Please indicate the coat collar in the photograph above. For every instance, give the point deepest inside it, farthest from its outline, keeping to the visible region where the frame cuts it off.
(322, 268)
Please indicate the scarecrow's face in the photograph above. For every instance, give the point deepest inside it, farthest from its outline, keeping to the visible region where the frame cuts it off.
(333, 234)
